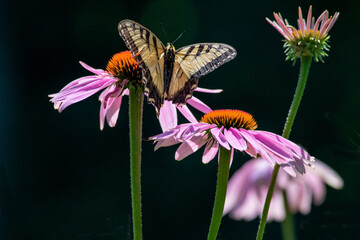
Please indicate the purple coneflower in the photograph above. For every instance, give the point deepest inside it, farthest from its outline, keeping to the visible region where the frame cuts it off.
(310, 39)
(234, 129)
(248, 186)
(121, 70)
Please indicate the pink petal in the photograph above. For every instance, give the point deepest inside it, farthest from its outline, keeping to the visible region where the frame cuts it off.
(289, 170)
(235, 140)
(220, 138)
(301, 22)
(189, 147)
(203, 127)
(80, 89)
(185, 111)
(199, 105)
(328, 175)
(165, 135)
(249, 209)
(238, 185)
(188, 133)
(166, 142)
(113, 112)
(304, 199)
(315, 185)
(102, 115)
(210, 152)
(168, 116)
(277, 209)
(274, 146)
(205, 90)
(251, 141)
(308, 21)
(91, 69)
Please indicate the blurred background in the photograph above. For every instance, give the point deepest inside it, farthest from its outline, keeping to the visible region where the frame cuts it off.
(63, 178)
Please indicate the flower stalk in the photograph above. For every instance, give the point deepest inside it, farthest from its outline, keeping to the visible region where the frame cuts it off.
(136, 99)
(304, 72)
(220, 195)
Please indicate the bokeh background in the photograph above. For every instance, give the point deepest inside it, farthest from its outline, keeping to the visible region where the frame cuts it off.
(63, 178)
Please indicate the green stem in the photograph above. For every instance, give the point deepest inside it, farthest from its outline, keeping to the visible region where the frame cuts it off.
(136, 99)
(287, 226)
(266, 208)
(221, 186)
(304, 72)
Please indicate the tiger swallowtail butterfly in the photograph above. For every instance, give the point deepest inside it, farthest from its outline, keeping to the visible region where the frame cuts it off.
(171, 74)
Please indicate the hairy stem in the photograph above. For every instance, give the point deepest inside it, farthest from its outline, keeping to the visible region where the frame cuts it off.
(304, 72)
(136, 99)
(221, 187)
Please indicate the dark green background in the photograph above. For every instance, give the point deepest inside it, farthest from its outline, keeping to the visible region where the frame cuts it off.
(63, 178)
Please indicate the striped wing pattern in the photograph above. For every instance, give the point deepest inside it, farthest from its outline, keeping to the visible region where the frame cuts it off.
(194, 61)
(148, 52)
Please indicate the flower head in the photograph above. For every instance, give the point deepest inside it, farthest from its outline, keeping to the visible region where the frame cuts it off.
(121, 71)
(234, 129)
(248, 186)
(310, 39)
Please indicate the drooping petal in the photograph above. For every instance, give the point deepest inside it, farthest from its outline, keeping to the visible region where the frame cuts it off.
(80, 89)
(235, 140)
(113, 111)
(210, 152)
(238, 185)
(110, 105)
(328, 175)
(249, 209)
(189, 147)
(168, 116)
(166, 142)
(188, 133)
(240, 139)
(274, 146)
(165, 135)
(316, 185)
(253, 142)
(277, 209)
(184, 110)
(220, 138)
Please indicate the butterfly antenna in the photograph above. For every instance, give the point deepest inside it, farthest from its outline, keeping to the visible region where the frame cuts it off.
(179, 36)
(163, 28)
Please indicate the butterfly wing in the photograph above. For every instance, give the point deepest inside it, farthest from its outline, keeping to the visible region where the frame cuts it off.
(148, 52)
(192, 62)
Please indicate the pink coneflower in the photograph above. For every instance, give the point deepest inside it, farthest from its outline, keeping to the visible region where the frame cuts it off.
(121, 71)
(248, 186)
(234, 129)
(310, 39)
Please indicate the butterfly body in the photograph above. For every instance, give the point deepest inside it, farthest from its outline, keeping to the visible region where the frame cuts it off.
(169, 58)
(171, 74)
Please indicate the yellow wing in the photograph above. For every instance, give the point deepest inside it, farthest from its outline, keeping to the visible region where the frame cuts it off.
(148, 52)
(194, 61)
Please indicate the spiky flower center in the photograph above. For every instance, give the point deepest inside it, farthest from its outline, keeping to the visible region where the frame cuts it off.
(309, 43)
(230, 118)
(123, 66)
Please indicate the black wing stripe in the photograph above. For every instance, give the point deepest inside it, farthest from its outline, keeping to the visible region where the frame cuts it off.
(187, 53)
(200, 48)
(155, 46)
(147, 36)
(222, 58)
(209, 47)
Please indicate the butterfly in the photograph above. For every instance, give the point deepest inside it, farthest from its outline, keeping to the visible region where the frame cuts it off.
(171, 74)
